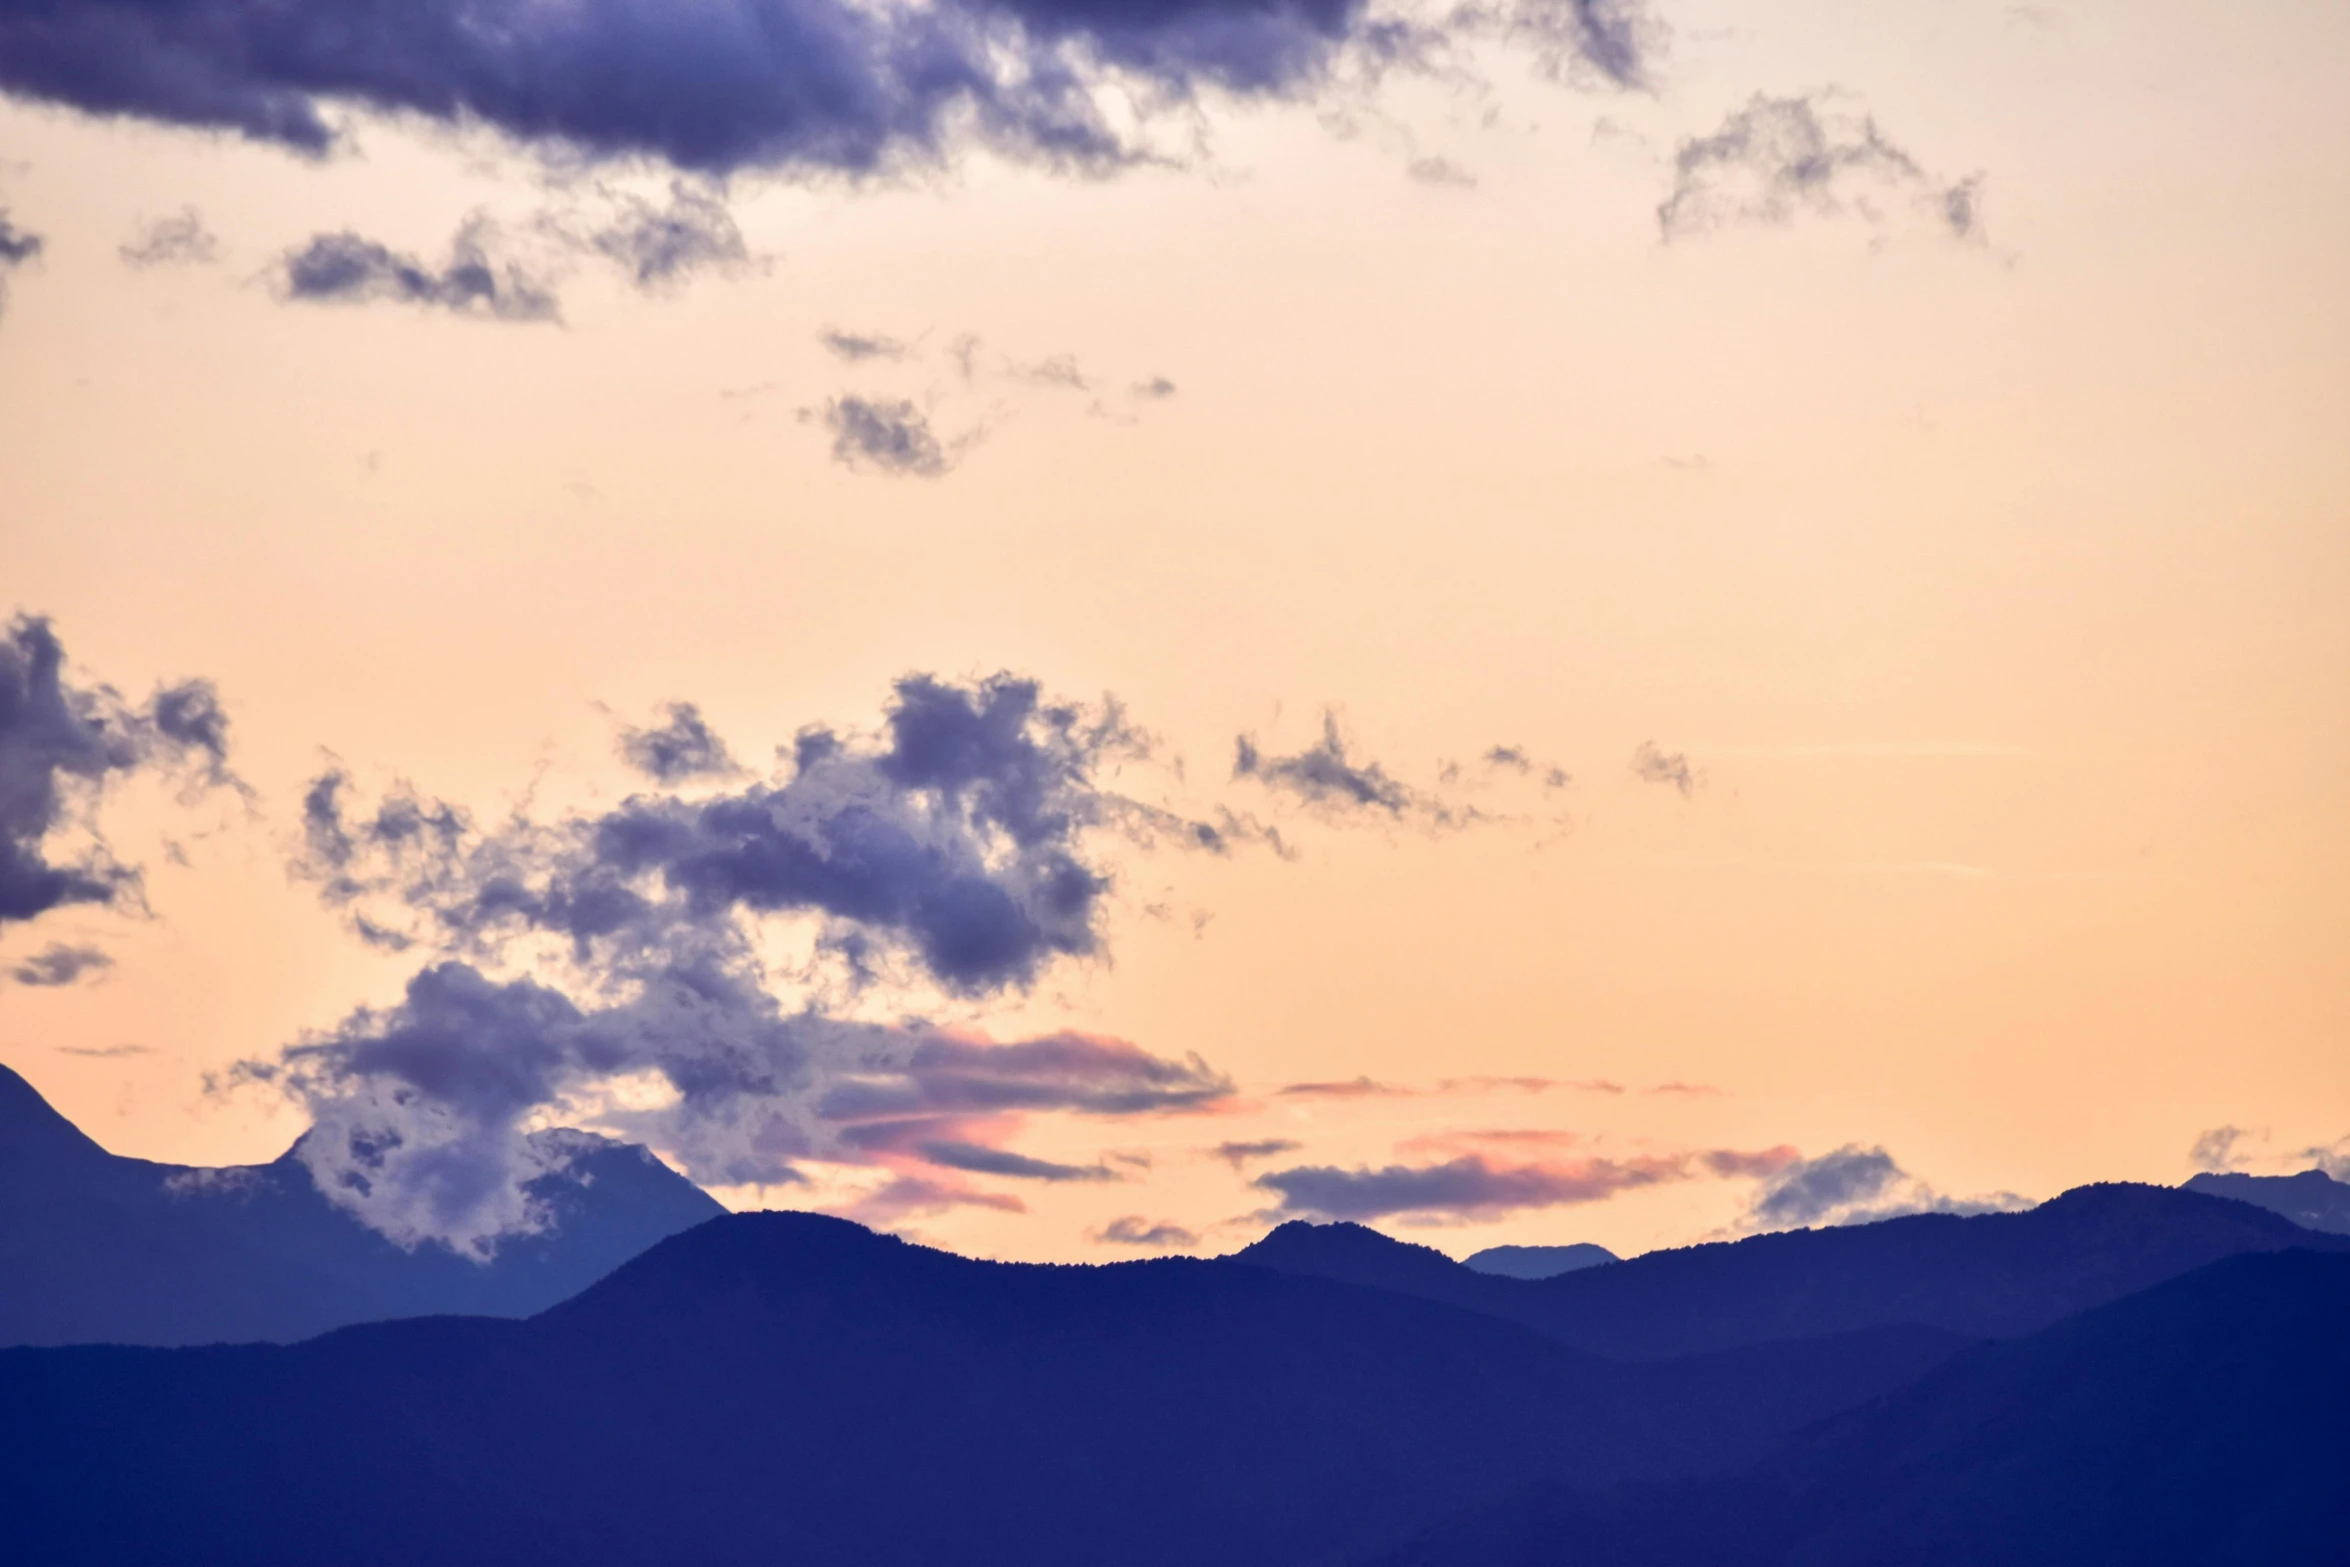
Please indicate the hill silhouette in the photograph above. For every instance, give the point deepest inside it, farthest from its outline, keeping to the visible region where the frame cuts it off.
(2196, 1422)
(1989, 1275)
(786, 1386)
(95, 1248)
(2312, 1199)
(1538, 1262)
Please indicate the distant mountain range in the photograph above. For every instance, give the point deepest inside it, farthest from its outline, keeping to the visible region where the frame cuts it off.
(2125, 1374)
(1537, 1262)
(2313, 1199)
(1978, 1276)
(100, 1249)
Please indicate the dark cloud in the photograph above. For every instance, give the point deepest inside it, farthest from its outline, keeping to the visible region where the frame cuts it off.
(1477, 1186)
(658, 247)
(61, 965)
(1775, 158)
(1652, 765)
(885, 435)
(953, 841)
(804, 86)
(346, 268)
(1134, 1230)
(681, 748)
(1515, 759)
(179, 240)
(980, 1159)
(857, 347)
(1238, 1154)
(17, 248)
(1855, 1185)
(60, 746)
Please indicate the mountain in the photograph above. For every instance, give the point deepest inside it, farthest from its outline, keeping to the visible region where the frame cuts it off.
(2197, 1422)
(2313, 1199)
(773, 1387)
(1537, 1262)
(100, 1249)
(1993, 1275)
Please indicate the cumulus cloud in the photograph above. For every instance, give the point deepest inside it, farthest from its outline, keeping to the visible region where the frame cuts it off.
(61, 746)
(59, 964)
(1481, 1186)
(619, 967)
(1652, 765)
(885, 435)
(1773, 159)
(346, 268)
(805, 86)
(1134, 1230)
(681, 748)
(179, 240)
(1856, 1185)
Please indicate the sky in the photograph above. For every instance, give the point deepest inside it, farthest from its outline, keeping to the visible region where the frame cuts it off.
(1073, 628)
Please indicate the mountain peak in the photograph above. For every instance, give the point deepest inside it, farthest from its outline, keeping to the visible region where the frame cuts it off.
(31, 1129)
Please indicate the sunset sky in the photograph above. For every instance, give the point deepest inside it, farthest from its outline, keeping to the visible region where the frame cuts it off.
(1680, 617)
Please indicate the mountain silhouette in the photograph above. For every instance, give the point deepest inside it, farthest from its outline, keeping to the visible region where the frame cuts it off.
(95, 1248)
(789, 1387)
(2197, 1422)
(1537, 1262)
(1993, 1275)
(2313, 1199)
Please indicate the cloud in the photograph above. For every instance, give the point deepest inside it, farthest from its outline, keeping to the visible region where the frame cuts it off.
(1515, 759)
(345, 268)
(980, 1159)
(1157, 389)
(658, 247)
(2333, 1158)
(2216, 1149)
(1239, 1153)
(61, 745)
(857, 347)
(680, 749)
(620, 969)
(420, 1112)
(1353, 1088)
(1775, 158)
(179, 240)
(885, 435)
(1059, 370)
(1136, 1231)
(1856, 1185)
(1685, 1090)
(1337, 785)
(809, 87)
(59, 964)
(105, 1052)
(1651, 765)
(1478, 1186)
(1440, 171)
(17, 248)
